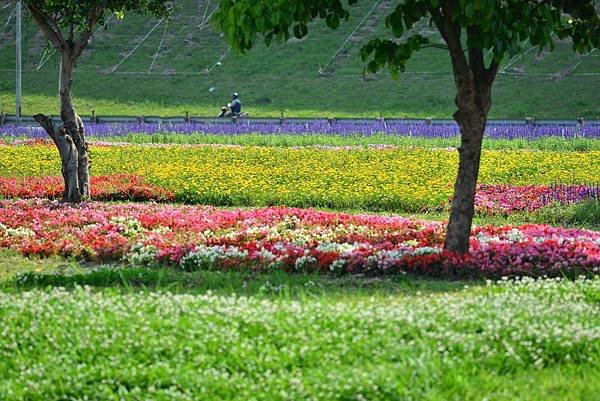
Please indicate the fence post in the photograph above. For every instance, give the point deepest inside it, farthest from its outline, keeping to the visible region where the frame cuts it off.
(580, 126)
(187, 117)
(2, 117)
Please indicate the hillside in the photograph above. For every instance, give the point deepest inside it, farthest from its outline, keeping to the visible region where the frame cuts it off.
(141, 67)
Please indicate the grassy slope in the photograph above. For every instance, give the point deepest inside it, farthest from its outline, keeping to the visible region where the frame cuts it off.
(283, 78)
(235, 336)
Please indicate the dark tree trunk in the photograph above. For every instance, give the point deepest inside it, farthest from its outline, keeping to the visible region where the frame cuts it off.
(472, 126)
(473, 99)
(473, 83)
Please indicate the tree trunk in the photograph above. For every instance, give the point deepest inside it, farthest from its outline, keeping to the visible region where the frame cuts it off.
(69, 137)
(472, 125)
(473, 98)
(68, 156)
(72, 123)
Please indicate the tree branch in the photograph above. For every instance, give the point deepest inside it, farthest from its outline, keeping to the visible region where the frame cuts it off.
(71, 30)
(438, 20)
(48, 126)
(93, 18)
(436, 46)
(491, 71)
(47, 25)
(463, 77)
(476, 62)
(451, 35)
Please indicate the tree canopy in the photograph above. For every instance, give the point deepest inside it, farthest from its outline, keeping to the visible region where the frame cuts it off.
(501, 26)
(61, 19)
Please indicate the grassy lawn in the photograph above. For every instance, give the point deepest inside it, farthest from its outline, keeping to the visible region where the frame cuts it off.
(109, 333)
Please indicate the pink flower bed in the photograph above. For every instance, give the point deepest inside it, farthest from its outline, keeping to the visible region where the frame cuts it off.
(192, 237)
(508, 199)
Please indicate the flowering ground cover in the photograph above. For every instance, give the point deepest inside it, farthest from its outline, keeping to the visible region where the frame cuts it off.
(376, 178)
(504, 199)
(292, 240)
(107, 187)
(523, 340)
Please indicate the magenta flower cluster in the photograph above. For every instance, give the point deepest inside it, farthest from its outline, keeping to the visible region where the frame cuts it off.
(507, 199)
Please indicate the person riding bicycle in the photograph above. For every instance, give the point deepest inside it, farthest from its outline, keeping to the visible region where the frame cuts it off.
(233, 108)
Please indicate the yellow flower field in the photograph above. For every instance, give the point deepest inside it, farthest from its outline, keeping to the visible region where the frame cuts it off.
(377, 179)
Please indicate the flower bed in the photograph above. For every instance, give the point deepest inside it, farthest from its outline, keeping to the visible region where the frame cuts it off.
(494, 130)
(373, 179)
(191, 238)
(507, 199)
(490, 199)
(107, 187)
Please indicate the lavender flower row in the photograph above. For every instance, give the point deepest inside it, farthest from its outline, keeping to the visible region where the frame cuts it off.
(324, 127)
(571, 193)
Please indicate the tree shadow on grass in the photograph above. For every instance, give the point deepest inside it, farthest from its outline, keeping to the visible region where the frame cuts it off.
(18, 273)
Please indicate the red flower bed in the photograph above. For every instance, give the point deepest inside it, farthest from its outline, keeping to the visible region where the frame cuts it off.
(107, 187)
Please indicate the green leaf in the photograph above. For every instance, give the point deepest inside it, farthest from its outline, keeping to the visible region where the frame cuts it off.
(275, 17)
(332, 21)
(372, 67)
(300, 31)
(496, 26)
(394, 22)
(469, 11)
